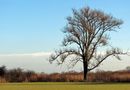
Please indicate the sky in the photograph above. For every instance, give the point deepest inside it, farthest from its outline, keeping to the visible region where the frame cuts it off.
(30, 30)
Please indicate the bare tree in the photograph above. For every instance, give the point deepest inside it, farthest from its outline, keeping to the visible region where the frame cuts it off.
(86, 40)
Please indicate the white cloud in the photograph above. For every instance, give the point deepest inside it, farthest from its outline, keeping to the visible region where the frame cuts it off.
(35, 54)
(37, 61)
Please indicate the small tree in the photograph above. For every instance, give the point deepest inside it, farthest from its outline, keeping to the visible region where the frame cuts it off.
(2, 71)
(86, 40)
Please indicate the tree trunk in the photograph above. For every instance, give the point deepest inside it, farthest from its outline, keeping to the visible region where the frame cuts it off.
(85, 67)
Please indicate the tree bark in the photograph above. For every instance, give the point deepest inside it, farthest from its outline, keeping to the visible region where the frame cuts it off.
(85, 71)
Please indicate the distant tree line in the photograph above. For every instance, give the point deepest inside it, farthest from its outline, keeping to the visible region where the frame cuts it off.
(15, 75)
(19, 75)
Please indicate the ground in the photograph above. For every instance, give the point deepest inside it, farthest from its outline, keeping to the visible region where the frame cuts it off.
(64, 86)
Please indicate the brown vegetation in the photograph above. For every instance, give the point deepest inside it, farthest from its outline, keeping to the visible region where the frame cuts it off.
(18, 75)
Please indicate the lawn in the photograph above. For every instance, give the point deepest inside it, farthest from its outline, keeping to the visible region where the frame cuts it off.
(63, 86)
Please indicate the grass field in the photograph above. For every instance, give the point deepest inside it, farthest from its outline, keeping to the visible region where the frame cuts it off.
(63, 86)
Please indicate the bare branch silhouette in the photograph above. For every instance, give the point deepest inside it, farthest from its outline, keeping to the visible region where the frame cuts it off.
(88, 32)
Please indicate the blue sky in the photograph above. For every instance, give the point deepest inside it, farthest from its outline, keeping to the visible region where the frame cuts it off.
(34, 27)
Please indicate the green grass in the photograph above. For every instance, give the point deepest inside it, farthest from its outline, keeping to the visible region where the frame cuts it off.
(63, 86)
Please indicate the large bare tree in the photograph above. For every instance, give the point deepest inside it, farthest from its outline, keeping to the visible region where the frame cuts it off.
(87, 34)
